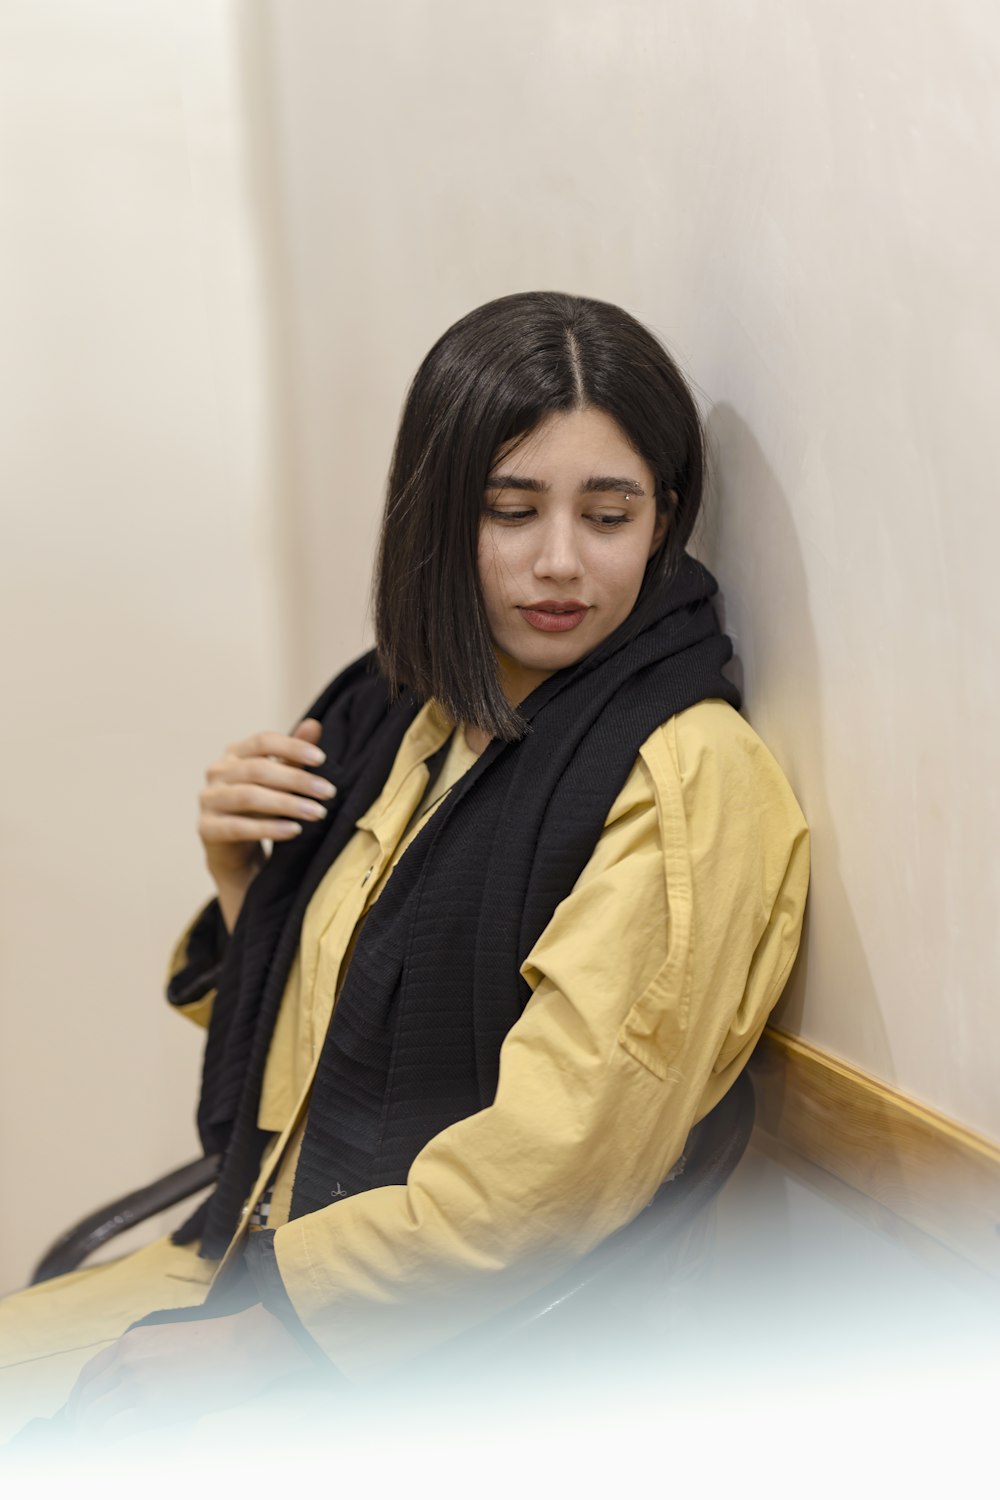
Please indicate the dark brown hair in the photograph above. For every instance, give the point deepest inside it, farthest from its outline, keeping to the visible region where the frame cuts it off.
(488, 381)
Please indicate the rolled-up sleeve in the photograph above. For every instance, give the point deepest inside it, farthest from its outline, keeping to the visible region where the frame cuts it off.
(650, 986)
(195, 963)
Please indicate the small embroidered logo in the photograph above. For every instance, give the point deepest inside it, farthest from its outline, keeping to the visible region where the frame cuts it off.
(339, 1192)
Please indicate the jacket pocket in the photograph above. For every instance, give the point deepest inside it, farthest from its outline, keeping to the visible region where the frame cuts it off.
(654, 1030)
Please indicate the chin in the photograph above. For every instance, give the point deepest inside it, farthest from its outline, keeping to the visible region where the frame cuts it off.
(551, 660)
(540, 655)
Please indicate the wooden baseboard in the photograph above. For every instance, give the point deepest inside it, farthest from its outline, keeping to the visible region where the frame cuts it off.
(923, 1167)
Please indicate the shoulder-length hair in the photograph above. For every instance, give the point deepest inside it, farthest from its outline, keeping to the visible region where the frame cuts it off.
(486, 383)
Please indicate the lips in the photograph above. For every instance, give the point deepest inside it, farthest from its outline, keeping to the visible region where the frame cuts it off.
(556, 606)
(554, 615)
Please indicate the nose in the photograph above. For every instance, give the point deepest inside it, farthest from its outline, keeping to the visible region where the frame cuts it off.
(558, 554)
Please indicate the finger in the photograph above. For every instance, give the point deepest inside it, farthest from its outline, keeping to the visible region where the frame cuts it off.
(92, 1386)
(270, 742)
(247, 800)
(129, 1412)
(259, 771)
(99, 1363)
(95, 1370)
(218, 828)
(117, 1404)
(308, 729)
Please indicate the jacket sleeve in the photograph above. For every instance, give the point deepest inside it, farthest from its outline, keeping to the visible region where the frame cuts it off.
(651, 984)
(193, 970)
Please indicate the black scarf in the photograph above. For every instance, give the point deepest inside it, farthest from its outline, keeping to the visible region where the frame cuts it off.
(433, 985)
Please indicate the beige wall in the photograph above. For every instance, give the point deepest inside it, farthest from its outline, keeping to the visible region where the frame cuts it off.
(800, 199)
(141, 614)
(230, 231)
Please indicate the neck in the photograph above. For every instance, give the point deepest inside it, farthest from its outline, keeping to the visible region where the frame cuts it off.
(517, 683)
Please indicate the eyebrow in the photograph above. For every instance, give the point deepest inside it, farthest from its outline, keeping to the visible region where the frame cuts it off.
(595, 485)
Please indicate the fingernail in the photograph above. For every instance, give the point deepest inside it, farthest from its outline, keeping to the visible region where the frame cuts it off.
(315, 755)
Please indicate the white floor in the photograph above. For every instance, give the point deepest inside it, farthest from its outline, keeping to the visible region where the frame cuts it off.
(804, 1264)
(793, 1346)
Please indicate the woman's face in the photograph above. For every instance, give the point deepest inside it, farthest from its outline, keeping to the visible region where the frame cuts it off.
(569, 523)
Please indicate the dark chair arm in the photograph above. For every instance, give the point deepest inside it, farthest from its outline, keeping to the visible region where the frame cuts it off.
(67, 1252)
(711, 1152)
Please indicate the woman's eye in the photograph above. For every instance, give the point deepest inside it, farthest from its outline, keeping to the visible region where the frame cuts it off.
(506, 515)
(603, 523)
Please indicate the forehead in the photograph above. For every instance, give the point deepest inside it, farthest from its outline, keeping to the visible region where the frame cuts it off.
(587, 441)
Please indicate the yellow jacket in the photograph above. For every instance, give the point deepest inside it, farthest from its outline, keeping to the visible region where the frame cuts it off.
(650, 986)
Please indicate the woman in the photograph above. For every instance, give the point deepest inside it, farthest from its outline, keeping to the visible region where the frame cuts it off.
(434, 1090)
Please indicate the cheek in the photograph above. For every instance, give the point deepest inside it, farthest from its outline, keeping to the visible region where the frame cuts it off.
(621, 563)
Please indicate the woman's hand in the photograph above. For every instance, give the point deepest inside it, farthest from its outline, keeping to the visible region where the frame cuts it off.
(170, 1372)
(258, 789)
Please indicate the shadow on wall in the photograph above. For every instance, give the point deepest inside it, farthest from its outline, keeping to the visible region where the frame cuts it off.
(748, 538)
